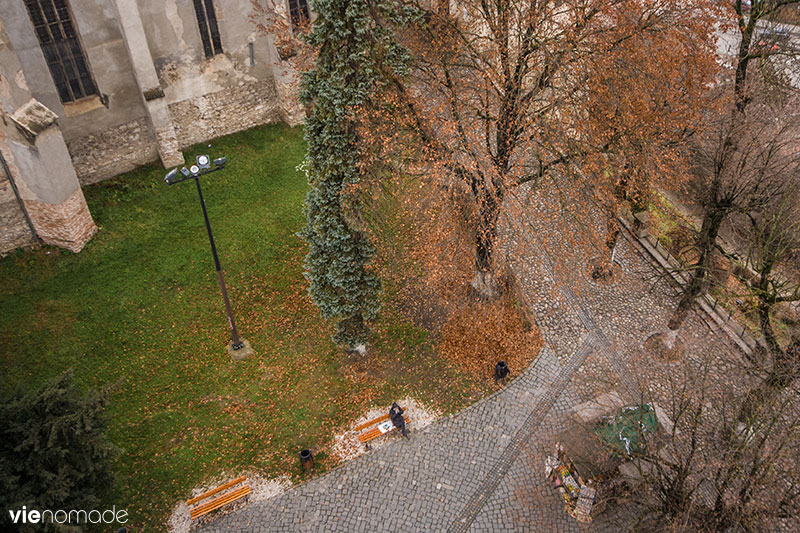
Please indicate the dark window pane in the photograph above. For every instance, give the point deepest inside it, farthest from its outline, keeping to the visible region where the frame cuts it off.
(36, 14)
(298, 10)
(49, 55)
(63, 92)
(61, 48)
(83, 70)
(69, 31)
(49, 12)
(43, 35)
(215, 40)
(61, 8)
(212, 26)
(88, 84)
(75, 86)
(55, 31)
(209, 31)
(64, 55)
(75, 49)
(210, 14)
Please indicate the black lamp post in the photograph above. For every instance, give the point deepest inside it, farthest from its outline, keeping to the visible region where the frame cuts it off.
(203, 167)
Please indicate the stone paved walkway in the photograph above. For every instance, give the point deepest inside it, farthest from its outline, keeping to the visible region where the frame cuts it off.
(483, 468)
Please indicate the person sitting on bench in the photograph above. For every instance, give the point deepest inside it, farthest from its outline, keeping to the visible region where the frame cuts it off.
(396, 416)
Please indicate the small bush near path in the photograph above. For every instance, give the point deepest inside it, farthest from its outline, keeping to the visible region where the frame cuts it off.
(140, 306)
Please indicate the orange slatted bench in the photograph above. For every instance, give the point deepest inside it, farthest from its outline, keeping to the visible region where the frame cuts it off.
(224, 499)
(377, 430)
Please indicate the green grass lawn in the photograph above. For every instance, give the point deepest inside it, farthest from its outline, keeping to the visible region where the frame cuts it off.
(140, 307)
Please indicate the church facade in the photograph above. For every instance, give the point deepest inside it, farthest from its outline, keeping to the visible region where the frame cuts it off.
(93, 88)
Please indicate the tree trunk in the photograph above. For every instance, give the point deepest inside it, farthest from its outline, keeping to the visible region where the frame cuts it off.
(765, 308)
(712, 221)
(612, 233)
(484, 282)
(785, 363)
(784, 372)
(742, 61)
(350, 333)
(604, 266)
(785, 367)
(621, 192)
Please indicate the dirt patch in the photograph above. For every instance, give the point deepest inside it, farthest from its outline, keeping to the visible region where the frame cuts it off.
(423, 307)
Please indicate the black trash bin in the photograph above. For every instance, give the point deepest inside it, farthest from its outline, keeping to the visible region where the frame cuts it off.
(307, 459)
(500, 370)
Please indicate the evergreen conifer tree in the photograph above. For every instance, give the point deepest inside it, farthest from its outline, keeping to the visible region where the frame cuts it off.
(53, 452)
(351, 52)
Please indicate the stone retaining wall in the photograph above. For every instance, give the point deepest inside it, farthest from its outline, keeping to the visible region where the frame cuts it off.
(706, 304)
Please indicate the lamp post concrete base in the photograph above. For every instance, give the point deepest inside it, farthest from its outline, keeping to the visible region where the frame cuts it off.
(242, 353)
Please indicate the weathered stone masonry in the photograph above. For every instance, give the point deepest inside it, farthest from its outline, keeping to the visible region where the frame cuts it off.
(68, 224)
(224, 112)
(47, 191)
(36, 163)
(14, 230)
(106, 153)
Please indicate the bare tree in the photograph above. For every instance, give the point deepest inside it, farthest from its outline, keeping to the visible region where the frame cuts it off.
(774, 244)
(770, 86)
(701, 471)
(749, 23)
(741, 167)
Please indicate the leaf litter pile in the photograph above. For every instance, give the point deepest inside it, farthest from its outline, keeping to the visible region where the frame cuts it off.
(478, 335)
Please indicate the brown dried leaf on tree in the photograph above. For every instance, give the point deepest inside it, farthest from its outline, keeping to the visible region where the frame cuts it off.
(590, 102)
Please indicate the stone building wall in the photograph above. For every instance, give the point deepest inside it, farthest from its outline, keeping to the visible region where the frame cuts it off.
(68, 224)
(157, 93)
(224, 112)
(106, 153)
(14, 230)
(40, 165)
(223, 94)
(47, 186)
(36, 161)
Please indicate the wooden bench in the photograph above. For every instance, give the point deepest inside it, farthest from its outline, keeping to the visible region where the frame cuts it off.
(375, 432)
(224, 499)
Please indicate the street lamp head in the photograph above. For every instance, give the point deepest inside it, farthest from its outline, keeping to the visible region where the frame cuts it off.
(185, 172)
(194, 169)
(220, 162)
(171, 175)
(204, 162)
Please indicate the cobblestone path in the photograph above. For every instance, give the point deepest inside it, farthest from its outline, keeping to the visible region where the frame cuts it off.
(482, 469)
(523, 435)
(420, 484)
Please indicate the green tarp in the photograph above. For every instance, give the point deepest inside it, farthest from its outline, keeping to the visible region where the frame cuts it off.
(624, 432)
